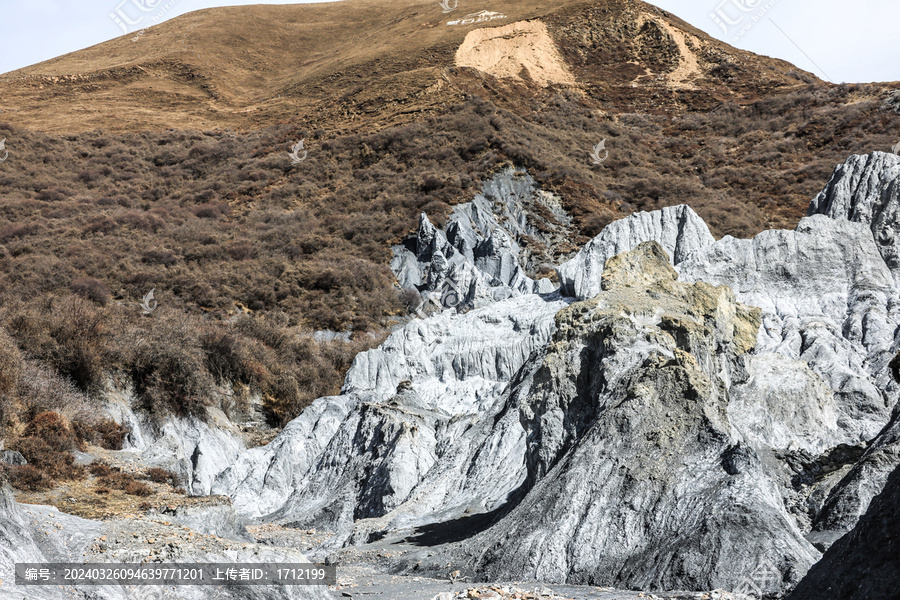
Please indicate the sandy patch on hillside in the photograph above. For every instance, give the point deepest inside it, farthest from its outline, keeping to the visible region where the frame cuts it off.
(688, 67)
(509, 50)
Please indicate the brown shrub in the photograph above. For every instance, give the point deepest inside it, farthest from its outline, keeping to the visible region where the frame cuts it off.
(10, 371)
(126, 483)
(158, 475)
(226, 357)
(91, 289)
(29, 478)
(100, 469)
(106, 433)
(41, 390)
(69, 334)
(41, 455)
(54, 430)
(170, 375)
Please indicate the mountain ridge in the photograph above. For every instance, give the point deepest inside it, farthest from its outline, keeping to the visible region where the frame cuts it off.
(290, 61)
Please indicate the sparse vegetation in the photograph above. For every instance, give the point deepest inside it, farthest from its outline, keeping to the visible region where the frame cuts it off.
(29, 478)
(117, 480)
(164, 476)
(249, 255)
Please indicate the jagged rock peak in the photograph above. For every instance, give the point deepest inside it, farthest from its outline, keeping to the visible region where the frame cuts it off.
(481, 255)
(865, 189)
(678, 229)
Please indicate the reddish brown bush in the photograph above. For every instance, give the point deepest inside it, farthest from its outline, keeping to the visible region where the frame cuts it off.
(11, 363)
(126, 483)
(29, 478)
(54, 430)
(105, 433)
(41, 455)
(158, 475)
(91, 289)
(100, 469)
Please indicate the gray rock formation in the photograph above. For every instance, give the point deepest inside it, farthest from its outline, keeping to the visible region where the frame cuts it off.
(678, 229)
(411, 412)
(866, 189)
(827, 299)
(219, 520)
(480, 256)
(196, 450)
(538, 428)
(16, 545)
(11, 457)
(850, 497)
(636, 476)
(865, 563)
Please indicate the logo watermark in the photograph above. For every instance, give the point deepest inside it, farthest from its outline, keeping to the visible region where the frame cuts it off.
(4, 150)
(479, 17)
(595, 153)
(129, 15)
(765, 578)
(149, 303)
(450, 297)
(296, 149)
(445, 4)
(732, 16)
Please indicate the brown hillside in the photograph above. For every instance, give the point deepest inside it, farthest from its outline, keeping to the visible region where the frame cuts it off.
(371, 63)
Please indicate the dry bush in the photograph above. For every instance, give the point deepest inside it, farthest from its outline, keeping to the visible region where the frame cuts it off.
(47, 443)
(169, 371)
(104, 433)
(124, 482)
(57, 464)
(29, 478)
(10, 363)
(100, 469)
(10, 370)
(54, 430)
(158, 475)
(68, 334)
(41, 390)
(91, 289)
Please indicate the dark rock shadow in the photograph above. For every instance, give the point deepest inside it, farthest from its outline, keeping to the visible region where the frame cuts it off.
(456, 530)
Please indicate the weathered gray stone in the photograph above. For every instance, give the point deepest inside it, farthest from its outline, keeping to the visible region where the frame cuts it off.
(220, 520)
(478, 253)
(11, 457)
(41, 534)
(866, 189)
(636, 477)
(827, 299)
(850, 498)
(864, 563)
(373, 449)
(678, 229)
(460, 416)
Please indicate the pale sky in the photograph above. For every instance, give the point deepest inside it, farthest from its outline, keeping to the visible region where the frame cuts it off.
(837, 40)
